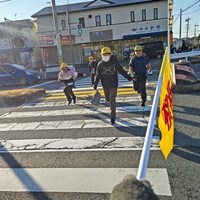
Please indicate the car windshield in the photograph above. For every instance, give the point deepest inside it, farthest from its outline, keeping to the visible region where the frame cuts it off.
(19, 67)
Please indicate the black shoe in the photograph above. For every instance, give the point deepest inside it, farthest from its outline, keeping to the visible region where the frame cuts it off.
(112, 121)
(69, 102)
(143, 103)
(74, 99)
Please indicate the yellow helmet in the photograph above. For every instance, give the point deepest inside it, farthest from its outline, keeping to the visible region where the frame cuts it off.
(63, 65)
(105, 50)
(91, 58)
(138, 47)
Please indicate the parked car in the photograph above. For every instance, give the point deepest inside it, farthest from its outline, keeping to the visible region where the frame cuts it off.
(17, 74)
(154, 49)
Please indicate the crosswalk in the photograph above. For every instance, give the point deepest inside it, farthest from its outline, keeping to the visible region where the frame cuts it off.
(47, 147)
(86, 82)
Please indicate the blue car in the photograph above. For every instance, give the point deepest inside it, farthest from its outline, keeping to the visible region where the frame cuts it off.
(17, 74)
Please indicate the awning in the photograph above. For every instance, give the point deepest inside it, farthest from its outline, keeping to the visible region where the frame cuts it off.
(135, 36)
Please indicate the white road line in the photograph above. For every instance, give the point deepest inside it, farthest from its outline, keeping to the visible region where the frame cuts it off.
(76, 144)
(85, 180)
(87, 111)
(81, 102)
(73, 124)
(45, 83)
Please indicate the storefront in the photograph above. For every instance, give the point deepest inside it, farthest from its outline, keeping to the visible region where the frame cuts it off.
(94, 49)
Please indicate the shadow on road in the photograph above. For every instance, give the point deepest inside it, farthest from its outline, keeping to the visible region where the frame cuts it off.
(29, 183)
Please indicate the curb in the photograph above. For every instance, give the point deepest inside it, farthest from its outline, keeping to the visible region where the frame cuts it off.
(5, 101)
(184, 89)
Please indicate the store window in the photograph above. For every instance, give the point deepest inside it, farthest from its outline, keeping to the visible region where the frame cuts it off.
(108, 19)
(155, 13)
(63, 24)
(82, 22)
(144, 15)
(98, 20)
(132, 16)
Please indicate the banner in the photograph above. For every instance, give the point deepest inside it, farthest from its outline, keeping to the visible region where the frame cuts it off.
(166, 117)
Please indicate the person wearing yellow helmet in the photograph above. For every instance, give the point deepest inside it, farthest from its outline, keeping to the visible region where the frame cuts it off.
(92, 68)
(138, 66)
(107, 70)
(67, 76)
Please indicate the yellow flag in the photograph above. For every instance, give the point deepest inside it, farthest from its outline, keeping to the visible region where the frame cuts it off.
(166, 117)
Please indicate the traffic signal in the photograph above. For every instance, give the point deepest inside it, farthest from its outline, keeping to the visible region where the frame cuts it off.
(80, 31)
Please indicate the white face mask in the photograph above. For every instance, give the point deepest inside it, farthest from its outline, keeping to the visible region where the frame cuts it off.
(105, 58)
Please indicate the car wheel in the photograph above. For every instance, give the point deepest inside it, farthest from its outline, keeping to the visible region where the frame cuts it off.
(23, 81)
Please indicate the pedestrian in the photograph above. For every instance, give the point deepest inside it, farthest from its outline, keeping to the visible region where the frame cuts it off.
(42, 70)
(138, 66)
(107, 70)
(92, 67)
(67, 77)
(132, 189)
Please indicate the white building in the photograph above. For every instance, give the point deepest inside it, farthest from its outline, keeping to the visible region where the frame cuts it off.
(119, 24)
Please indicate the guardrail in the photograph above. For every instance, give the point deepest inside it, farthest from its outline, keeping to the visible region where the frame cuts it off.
(185, 55)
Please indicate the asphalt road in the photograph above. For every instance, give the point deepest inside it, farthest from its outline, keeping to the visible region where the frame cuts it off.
(182, 165)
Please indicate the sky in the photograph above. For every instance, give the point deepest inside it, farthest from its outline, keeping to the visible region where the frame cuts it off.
(23, 9)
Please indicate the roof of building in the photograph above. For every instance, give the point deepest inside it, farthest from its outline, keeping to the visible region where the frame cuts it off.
(89, 5)
(18, 23)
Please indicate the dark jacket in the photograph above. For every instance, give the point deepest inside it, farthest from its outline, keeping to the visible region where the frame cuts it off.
(92, 67)
(107, 73)
(139, 64)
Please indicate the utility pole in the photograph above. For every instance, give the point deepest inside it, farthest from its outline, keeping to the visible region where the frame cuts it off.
(187, 26)
(180, 28)
(195, 32)
(57, 33)
(70, 35)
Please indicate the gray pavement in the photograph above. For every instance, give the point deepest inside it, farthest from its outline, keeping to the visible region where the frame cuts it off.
(182, 165)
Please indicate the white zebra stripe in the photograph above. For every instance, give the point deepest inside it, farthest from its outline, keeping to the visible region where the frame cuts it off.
(88, 111)
(77, 144)
(85, 180)
(80, 101)
(73, 124)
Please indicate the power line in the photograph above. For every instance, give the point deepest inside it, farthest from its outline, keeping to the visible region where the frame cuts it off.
(191, 12)
(4, 1)
(176, 18)
(191, 6)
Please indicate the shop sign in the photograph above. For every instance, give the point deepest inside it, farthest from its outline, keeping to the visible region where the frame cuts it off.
(146, 29)
(46, 40)
(101, 35)
(66, 39)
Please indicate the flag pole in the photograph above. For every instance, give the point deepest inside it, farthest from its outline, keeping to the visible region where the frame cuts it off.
(149, 133)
